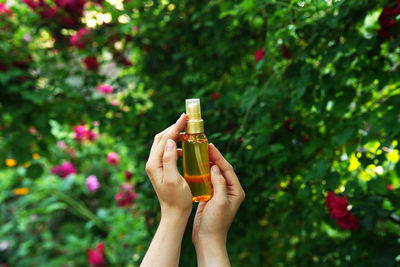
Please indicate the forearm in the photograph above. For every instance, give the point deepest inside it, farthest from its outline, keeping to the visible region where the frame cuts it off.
(165, 247)
(212, 253)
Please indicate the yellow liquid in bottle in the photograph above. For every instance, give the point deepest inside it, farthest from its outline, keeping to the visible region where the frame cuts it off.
(196, 166)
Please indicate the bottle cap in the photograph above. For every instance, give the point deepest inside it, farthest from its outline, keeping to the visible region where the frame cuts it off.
(193, 110)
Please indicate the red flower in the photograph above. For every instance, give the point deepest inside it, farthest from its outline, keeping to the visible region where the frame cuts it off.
(128, 175)
(389, 187)
(47, 12)
(70, 22)
(288, 124)
(95, 256)
(81, 38)
(306, 138)
(230, 127)
(338, 208)
(259, 54)
(126, 62)
(387, 21)
(285, 52)
(91, 63)
(215, 96)
(71, 6)
(3, 68)
(126, 195)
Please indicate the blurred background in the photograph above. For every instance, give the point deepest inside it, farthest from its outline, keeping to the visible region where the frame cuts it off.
(302, 97)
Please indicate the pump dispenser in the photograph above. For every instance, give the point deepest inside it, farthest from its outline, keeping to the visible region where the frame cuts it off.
(196, 167)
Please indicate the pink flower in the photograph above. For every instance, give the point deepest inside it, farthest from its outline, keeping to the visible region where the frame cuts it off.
(95, 256)
(92, 183)
(126, 195)
(389, 187)
(63, 170)
(115, 102)
(62, 145)
(32, 130)
(91, 135)
(82, 133)
(81, 38)
(5, 10)
(113, 158)
(3, 245)
(105, 88)
(259, 54)
(91, 63)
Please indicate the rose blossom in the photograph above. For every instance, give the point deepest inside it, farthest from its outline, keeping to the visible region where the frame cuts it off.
(92, 183)
(63, 170)
(126, 195)
(91, 63)
(95, 256)
(215, 96)
(82, 133)
(128, 175)
(80, 39)
(338, 208)
(113, 158)
(105, 88)
(3, 245)
(259, 54)
(5, 10)
(62, 145)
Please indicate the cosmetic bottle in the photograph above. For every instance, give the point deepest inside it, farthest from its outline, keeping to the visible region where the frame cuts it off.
(196, 166)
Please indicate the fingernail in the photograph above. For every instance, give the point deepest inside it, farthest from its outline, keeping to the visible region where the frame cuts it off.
(215, 169)
(170, 145)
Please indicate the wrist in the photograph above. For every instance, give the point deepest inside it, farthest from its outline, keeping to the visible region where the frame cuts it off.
(212, 252)
(175, 215)
(204, 242)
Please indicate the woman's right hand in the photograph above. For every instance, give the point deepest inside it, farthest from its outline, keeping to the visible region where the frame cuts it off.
(213, 218)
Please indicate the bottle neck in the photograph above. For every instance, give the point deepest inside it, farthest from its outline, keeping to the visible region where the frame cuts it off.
(195, 127)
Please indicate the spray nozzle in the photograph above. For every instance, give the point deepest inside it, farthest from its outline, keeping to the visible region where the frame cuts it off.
(193, 109)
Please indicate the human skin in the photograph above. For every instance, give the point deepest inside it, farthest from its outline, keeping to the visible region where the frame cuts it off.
(213, 218)
(173, 194)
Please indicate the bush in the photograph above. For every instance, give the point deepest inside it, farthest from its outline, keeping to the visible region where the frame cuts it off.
(301, 98)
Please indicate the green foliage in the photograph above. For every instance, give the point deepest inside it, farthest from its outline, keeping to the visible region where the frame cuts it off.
(318, 113)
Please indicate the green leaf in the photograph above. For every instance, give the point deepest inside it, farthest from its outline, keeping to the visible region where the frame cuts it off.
(34, 171)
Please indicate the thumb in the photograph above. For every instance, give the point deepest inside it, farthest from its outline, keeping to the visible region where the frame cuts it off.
(219, 183)
(169, 159)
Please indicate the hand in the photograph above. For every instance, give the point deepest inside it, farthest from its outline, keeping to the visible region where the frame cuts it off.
(174, 195)
(213, 218)
(172, 190)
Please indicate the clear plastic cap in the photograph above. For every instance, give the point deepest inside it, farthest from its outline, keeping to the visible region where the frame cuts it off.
(193, 109)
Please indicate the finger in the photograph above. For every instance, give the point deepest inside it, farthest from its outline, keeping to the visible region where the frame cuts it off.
(173, 133)
(169, 161)
(226, 168)
(157, 138)
(219, 184)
